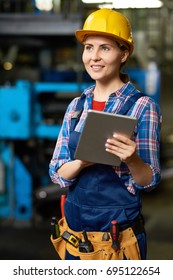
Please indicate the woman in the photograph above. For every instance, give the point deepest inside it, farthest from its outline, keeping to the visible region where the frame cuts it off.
(99, 194)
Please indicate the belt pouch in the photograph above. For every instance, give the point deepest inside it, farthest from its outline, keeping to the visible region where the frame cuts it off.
(102, 249)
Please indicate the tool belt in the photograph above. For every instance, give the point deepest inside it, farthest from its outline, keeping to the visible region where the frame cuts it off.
(102, 249)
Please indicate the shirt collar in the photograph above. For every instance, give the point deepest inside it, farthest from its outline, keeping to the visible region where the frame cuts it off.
(124, 91)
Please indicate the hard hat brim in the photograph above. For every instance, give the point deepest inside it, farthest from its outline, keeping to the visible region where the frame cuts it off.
(82, 34)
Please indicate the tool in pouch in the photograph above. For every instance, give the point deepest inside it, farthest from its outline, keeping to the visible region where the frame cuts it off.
(86, 245)
(71, 238)
(54, 228)
(114, 231)
(55, 232)
(62, 203)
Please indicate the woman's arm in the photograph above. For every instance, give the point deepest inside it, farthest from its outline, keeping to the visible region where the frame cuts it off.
(71, 169)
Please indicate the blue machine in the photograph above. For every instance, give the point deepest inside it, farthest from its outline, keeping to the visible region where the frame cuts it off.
(15, 123)
(21, 119)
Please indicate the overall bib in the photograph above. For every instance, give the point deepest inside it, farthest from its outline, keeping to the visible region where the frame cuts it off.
(98, 197)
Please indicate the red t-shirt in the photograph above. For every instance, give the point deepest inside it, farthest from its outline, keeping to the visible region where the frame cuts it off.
(98, 105)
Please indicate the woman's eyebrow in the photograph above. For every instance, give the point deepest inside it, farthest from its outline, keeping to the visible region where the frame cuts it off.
(87, 44)
(102, 45)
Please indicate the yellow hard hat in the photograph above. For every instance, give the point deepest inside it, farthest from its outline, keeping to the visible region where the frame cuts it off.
(109, 23)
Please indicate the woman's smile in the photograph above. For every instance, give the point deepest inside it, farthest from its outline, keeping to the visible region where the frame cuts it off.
(97, 67)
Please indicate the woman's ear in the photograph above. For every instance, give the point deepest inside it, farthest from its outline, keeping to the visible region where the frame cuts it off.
(124, 57)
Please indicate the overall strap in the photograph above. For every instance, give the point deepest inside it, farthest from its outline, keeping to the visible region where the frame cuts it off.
(78, 111)
(129, 103)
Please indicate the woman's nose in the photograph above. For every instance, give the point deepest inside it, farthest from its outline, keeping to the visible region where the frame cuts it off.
(95, 55)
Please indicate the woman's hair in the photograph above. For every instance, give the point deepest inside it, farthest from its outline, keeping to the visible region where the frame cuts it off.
(124, 77)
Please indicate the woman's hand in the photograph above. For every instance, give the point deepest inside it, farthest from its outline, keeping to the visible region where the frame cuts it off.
(125, 149)
(121, 146)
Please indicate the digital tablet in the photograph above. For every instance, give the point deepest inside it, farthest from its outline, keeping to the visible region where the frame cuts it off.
(98, 127)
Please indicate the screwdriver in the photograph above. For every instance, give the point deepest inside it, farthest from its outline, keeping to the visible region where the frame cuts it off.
(62, 203)
(114, 231)
(54, 228)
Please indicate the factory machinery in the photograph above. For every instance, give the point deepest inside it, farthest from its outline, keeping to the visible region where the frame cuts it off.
(30, 120)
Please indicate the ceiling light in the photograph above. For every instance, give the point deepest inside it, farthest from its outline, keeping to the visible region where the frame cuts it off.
(44, 5)
(125, 4)
(109, 6)
(94, 1)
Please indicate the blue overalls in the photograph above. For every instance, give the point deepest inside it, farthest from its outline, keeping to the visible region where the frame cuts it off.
(99, 196)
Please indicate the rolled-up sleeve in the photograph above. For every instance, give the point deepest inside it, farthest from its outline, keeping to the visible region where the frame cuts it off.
(148, 143)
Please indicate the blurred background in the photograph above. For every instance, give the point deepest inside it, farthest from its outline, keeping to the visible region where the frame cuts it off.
(40, 73)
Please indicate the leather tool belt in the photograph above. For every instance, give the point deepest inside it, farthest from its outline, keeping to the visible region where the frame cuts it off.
(102, 249)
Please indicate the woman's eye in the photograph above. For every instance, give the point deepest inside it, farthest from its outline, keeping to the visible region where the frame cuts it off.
(88, 48)
(104, 48)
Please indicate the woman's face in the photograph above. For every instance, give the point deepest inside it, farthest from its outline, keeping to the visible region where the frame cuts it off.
(102, 58)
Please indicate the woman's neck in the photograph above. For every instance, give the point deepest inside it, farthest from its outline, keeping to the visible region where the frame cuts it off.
(103, 91)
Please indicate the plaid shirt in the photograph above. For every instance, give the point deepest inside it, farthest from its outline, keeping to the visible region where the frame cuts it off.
(146, 135)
